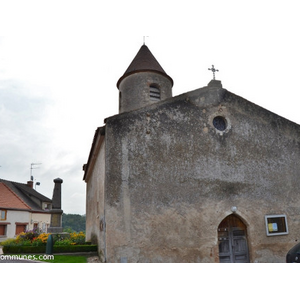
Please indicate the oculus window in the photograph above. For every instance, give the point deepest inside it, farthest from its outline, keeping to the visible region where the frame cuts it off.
(276, 225)
(220, 123)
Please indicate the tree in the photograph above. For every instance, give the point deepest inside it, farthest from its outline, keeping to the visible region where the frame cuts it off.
(73, 222)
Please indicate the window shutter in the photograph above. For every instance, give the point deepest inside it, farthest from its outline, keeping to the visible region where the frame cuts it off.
(154, 93)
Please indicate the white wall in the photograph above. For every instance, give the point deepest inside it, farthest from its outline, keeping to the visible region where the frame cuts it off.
(42, 219)
(14, 217)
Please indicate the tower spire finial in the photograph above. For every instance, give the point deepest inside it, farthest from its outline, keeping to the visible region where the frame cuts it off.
(144, 39)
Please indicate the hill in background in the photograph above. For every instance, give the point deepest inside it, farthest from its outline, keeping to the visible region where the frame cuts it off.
(73, 222)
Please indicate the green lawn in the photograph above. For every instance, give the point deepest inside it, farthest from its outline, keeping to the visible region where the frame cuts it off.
(66, 259)
(55, 258)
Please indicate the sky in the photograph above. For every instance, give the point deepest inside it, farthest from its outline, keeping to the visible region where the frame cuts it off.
(60, 62)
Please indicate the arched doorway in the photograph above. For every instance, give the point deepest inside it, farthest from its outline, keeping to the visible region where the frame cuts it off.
(232, 240)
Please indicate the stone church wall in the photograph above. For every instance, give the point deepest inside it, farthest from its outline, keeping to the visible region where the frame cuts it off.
(172, 177)
(95, 203)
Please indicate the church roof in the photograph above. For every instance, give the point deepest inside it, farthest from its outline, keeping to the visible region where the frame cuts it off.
(144, 61)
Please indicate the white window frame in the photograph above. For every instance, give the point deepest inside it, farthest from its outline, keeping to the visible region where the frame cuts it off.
(269, 224)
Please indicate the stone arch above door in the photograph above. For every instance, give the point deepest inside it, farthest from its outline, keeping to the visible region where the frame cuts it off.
(232, 240)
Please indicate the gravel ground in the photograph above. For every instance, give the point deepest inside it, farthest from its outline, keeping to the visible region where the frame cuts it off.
(93, 259)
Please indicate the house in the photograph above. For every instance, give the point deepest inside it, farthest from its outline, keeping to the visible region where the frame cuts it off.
(22, 208)
(206, 176)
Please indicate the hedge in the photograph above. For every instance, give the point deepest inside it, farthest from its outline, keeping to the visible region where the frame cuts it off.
(56, 249)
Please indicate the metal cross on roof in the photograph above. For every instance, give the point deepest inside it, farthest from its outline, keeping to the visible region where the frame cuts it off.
(213, 70)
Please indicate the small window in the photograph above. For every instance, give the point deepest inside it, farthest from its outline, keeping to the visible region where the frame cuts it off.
(276, 225)
(154, 93)
(2, 215)
(220, 123)
(47, 206)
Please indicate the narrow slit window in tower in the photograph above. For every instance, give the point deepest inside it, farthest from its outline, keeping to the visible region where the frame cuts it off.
(154, 93)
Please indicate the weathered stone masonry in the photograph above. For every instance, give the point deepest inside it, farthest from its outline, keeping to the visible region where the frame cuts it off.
(163, 179)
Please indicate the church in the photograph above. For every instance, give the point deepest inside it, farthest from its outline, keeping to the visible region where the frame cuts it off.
(204, 177)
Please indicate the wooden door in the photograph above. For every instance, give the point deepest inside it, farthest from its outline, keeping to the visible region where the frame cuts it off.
(232, 239)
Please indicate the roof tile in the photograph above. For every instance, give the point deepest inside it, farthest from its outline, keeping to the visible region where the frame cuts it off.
(8, 199)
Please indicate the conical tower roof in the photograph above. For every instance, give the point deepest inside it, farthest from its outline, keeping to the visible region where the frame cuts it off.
(144, 61)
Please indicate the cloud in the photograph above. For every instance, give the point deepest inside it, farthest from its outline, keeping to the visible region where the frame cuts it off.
(25, 138)
(30, 134)
(21, 121)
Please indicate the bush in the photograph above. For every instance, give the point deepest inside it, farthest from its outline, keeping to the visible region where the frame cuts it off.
(23, 249)
(32, 242)
(63, 242)
(74, 248)
(28, 235)
(9, 242)
(15, 242)
(77, 238)
(7, 249)
(28, 238)
(41, 239)
(72, 238)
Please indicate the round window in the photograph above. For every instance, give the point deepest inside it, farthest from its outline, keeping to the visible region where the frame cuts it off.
(220, 123)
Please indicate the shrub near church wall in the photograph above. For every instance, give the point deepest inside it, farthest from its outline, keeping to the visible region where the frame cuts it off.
(56, 249)
(32, 242)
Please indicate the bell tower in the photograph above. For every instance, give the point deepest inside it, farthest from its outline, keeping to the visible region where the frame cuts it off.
(143, 83)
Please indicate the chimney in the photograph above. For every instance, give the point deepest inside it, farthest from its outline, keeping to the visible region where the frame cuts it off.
(30, 184)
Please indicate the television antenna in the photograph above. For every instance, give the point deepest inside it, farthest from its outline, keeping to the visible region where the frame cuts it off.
(32, 168)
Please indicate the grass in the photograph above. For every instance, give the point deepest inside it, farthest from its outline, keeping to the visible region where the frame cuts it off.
(49, 258)
(66, 259)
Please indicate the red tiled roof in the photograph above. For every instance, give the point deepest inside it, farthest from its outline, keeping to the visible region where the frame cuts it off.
(8, 199)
